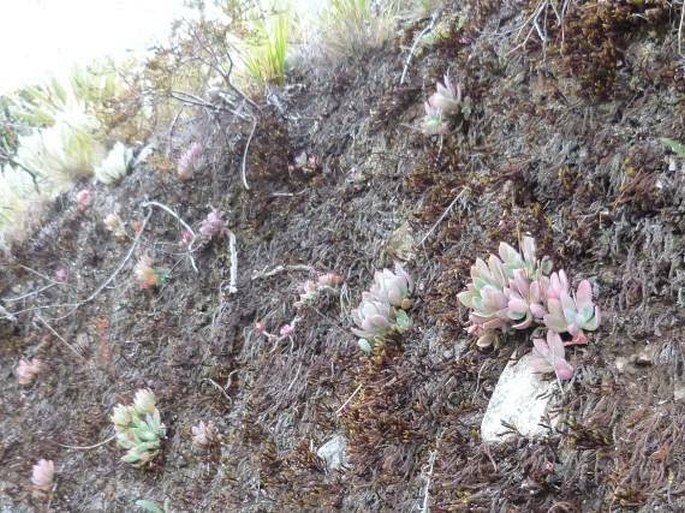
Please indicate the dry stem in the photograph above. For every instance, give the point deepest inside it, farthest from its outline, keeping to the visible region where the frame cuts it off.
(281, 268)
(50, 328)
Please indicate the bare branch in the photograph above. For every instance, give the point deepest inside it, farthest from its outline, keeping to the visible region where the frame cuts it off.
(247, 147)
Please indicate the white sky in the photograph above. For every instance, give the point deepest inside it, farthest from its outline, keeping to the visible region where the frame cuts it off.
(38, 37)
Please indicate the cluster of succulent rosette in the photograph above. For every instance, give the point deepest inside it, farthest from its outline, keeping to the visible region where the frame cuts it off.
(139, 428)
(382, 310)
(517, 291)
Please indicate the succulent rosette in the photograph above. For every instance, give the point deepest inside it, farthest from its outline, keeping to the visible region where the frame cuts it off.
(549, 356)
(374, 318)
(573, 314)
(382, 309)
(392, 287)
(447, 97)
(525, 300)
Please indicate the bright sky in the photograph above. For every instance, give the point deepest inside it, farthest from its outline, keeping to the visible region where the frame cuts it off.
(38, 37)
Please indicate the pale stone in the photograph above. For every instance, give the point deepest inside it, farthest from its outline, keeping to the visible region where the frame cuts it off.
(679, 391)
(521, 399)
(334, 452)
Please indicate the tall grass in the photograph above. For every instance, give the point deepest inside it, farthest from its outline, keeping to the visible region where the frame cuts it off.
(265, 59)
(59, 138)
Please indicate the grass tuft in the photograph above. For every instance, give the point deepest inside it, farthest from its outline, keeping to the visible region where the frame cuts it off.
(265, 61)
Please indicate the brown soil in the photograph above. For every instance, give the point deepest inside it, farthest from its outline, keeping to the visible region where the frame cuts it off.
(563, 143)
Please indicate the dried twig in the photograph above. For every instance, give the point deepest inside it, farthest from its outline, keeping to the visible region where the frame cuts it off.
(29, 294)
(218, 65)
(427, 477)
(337, 412)
(680, 29)
(281, 268)
(185, 225)
(233, 277)
(287, 194)
(192, 99)
(533, 21)
(417, 39)
(38, 273)
(196, 101)
(8, 315)
(225, 394)
(88, 447)
(464, 192)
(247, 147)
(71, 348)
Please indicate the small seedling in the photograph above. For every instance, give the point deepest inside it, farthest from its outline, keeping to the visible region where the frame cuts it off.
(203, 435)
(442, 106)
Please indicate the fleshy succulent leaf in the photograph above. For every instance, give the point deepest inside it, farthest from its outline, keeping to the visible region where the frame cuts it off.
(549, 356)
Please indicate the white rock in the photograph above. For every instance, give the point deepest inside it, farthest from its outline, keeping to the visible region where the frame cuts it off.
(521, 398)
(679, 391)
(334, 452)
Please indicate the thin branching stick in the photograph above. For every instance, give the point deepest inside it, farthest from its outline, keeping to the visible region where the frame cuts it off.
(356, 391)
(29, 294)
(247, 147)
(233, 277)
(180, 220)
(218, 387)
(427, 476)
(415, 44)
(59, 337)
(8, 315)
(256, 275)
(458, 197)
(115, 273)
(88, 447)
(680, 29)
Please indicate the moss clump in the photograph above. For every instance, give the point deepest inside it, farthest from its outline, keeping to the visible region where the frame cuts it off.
(595, 35)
